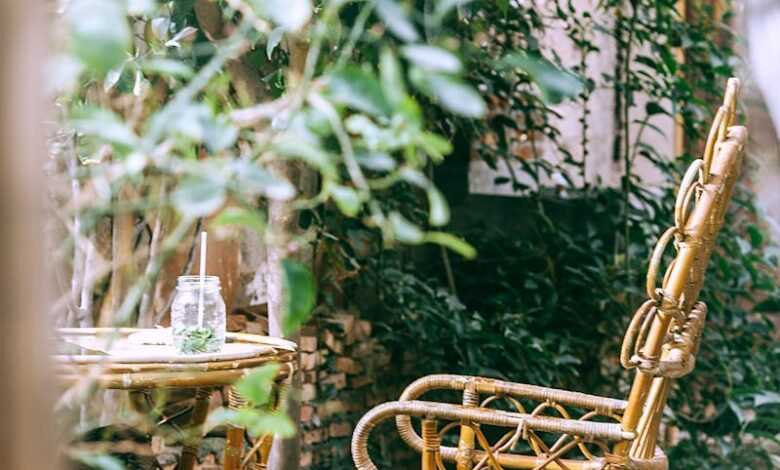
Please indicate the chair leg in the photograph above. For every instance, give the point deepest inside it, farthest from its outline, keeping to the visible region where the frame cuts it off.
(199, 413)
(431, 444)
(464, 459)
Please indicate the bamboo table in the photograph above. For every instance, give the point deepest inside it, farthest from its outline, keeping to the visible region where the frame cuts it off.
(120, 359)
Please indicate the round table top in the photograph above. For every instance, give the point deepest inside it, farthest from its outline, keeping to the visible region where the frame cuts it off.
(135, 358)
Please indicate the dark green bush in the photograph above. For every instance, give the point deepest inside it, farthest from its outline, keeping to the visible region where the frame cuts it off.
(547, 301)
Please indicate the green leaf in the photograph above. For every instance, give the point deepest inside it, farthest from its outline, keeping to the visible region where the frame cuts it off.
(452, 242)
(347, 199)
(358, 89)
(173, 68)
(221, 134)
(652, 108)
(391, 78)
(257, 386)
(291, 15)
(435, 145)
(770, 305)
(256, 421)
(242, 418)
(199, 196)
(254, 180)
(567, 359)
(766, 398)
(415, 177)
(451, 92)
(192, 121)
(443, 7)
(276, 423)
(100, 35)
(299, 295)
(439, 209)
(113, 76)
(362, 125)
(273, 40)
(668, 58)
(405, 231)
(756, 236)
(105, 125)
(243, 217)
(297, 148)
(742, 415)
(184, 36)
(432, 58)
(744, 246)
(396, 20)
(411, 112)
(554, 82)
(376, 161)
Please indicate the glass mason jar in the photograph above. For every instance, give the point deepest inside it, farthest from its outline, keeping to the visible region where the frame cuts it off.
(189, 337)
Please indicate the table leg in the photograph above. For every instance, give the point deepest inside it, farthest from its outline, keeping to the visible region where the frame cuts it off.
(234, 443)
(264, 452)
(199, 413)
(235, 437)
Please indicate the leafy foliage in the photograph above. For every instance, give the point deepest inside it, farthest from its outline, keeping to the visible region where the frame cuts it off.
(175, 113)
(191, 114)
(549, 296)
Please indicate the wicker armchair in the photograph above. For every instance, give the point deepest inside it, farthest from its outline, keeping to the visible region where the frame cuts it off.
(589, 432)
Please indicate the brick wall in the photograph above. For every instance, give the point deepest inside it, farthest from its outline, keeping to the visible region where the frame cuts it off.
(340, 364)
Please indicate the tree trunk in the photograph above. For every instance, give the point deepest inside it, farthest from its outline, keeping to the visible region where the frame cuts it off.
(283, 220)
(122, 232)
(26, 398)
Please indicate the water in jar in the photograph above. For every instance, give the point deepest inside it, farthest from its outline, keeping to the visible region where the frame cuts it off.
(189, 335)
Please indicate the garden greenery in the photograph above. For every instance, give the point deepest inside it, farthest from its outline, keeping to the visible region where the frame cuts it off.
(548, 298)
(212, 110)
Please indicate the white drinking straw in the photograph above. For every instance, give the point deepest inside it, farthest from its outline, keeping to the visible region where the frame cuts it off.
(203, 237)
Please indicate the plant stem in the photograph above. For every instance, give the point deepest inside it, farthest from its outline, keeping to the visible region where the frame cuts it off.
(627, 102)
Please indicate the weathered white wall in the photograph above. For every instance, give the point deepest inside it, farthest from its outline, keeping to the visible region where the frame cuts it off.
(762, 23)
(600, 167)
(761, 98)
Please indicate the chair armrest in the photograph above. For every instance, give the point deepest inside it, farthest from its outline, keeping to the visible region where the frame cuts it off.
(483, 385)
